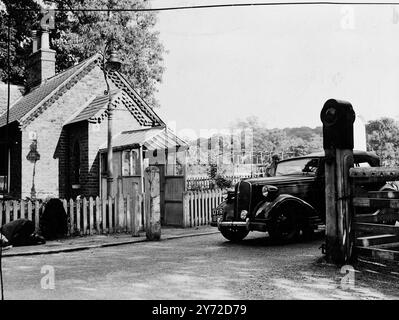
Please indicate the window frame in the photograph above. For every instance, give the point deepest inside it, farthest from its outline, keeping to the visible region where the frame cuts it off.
(134, 163)
(7, 177)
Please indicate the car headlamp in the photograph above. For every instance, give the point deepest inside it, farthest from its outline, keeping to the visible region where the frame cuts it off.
(243, 214)
(265, 191)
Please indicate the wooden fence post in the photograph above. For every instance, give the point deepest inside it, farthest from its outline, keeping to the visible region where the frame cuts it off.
(135, 210)
(29, 210)
(111, 215)
(121, 213)
(129, 216)
(186, 210)
(71, 217)
(78, 215)
(37, 215)
(98, 215)
(8, 211)
(152, 203)
(104, 215)
(91, 215)
(84, 203)
(22, 205)
(338, 118)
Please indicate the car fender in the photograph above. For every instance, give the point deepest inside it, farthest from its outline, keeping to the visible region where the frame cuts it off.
(268, 208)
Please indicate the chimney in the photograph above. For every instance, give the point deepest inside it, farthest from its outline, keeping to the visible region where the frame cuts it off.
(41, 62)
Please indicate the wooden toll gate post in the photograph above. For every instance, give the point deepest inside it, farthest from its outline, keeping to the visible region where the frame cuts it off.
(152, 203)
(338, 118)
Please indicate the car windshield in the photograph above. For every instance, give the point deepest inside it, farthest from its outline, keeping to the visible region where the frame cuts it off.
(297, 167)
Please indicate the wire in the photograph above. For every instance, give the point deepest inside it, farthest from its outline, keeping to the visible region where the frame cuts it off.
(230, 5)
(7, 145)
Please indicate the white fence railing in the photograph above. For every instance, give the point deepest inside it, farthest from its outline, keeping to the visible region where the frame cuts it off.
(85, 216)
(198, 206)
(205, 183)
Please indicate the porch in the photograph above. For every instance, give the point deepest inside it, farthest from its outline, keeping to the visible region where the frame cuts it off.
(136, 150)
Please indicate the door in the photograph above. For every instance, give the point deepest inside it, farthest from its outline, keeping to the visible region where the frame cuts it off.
(173, 200)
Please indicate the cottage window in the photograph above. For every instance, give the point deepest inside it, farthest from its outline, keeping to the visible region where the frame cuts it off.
(4, 168)
(130, 163)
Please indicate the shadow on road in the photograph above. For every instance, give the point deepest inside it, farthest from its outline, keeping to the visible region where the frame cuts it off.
(266, 241)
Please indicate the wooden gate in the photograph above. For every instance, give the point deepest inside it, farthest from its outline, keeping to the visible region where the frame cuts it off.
(376, 233)
(362, 204)
(172, 188)
(173, 200)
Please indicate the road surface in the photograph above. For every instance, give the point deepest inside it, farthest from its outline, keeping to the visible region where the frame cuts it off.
(202, 267)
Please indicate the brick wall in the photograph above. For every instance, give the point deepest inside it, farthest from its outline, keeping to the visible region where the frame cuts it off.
(53, 140)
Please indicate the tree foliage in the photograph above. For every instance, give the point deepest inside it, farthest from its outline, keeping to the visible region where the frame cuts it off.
(80, 34)
(286, 142)
(383, 139)
(21, 17)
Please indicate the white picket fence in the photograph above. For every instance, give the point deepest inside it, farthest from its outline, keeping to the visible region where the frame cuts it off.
(85, 216)
(198, 206)
(204, 183)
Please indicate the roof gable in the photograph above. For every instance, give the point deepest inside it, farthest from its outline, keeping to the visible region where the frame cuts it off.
(45, 94)
(150, 138)
(29, 106)
(96, 111)
(119, 80)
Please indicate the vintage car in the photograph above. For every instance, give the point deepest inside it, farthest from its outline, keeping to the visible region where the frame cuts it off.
(287, 204)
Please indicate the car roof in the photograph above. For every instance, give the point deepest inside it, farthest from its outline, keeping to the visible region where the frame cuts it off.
(360, 155)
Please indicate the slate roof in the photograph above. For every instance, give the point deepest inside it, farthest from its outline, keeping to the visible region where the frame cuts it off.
(149, 138)
(29, 101)
(29, 106)
(15, 94)
(98, 103)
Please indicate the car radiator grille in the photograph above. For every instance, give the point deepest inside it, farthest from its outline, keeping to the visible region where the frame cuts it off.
(243, 198)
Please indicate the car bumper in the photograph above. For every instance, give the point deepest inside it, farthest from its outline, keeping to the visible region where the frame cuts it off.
(234, 224)
(248, 225)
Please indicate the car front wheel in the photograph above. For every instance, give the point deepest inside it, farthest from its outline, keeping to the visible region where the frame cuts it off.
(234, 234)
(284, 225)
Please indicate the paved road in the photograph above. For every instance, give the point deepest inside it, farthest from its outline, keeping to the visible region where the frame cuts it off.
(203, 267)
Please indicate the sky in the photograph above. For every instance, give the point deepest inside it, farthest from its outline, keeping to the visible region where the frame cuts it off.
(279, 64)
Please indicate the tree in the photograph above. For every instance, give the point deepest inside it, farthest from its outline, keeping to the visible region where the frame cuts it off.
(286, 142)
(80, 34)
(20, 22)
(383, 139)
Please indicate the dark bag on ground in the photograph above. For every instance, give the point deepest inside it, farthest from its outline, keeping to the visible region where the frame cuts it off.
(53, 220)
(21, 232)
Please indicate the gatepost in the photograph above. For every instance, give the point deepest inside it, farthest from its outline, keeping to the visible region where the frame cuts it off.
(152, 203)
(338, 118)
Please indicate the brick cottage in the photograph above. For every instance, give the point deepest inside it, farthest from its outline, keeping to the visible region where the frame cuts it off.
(61, 121)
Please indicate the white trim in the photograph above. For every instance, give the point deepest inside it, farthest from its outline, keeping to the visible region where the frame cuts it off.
(104, 108)
(142, 168)
(144, 103)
